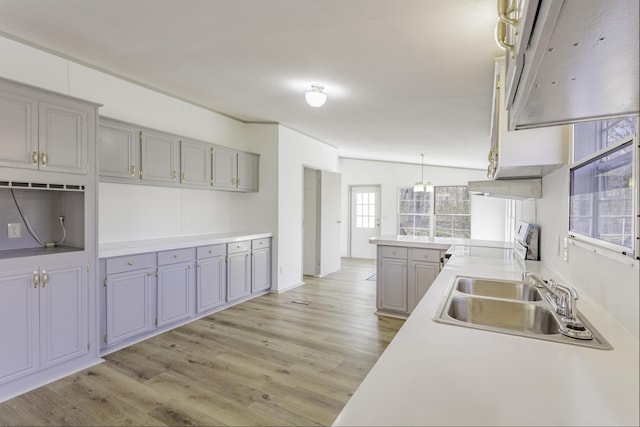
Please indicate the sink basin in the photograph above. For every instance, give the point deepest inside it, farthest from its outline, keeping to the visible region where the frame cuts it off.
(508, 307)
(504, 314)
(498, 289)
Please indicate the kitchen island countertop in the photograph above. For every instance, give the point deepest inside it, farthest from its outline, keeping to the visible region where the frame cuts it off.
(439, 374)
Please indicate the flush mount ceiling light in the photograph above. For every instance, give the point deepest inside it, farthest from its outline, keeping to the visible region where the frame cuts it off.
(422, 186)
(316, 97)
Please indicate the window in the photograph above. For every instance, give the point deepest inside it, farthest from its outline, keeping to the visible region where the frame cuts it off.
(453, 211)
(414, 212)
(365, 210)
(445, 212)
(603, 197)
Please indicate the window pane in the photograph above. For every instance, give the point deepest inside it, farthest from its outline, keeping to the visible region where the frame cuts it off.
(591, 137)
(601, 197)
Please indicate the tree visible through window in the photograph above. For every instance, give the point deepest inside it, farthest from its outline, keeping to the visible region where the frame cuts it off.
(444, 212)
(602, 192)
(453, 211)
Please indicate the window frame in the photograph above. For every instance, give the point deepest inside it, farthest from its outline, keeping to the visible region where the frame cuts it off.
(634, 251)
(432, 211)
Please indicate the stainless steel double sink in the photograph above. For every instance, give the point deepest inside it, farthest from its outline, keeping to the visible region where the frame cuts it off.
(507, 306)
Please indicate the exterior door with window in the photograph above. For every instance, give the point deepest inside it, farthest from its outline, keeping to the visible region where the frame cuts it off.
(364, 221)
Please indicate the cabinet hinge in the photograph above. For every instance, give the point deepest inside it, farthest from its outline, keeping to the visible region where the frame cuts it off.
(156, 321)
(140, 173)
(105, 282)
(140, 136)
(156, 276)
(88, 267)
(88, 345)
(211, 150)
(105, 338)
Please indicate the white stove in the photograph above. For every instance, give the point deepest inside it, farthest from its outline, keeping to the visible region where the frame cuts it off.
(528, 241)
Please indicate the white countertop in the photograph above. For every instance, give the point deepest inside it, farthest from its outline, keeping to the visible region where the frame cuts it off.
(439, 374)
(435, 242)
(111, 249)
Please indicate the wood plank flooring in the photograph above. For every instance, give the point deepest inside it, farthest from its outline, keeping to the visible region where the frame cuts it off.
(267, 361)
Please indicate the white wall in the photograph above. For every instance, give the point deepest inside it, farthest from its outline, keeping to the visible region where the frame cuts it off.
(613, 284)
(390, 176)
(294, 152)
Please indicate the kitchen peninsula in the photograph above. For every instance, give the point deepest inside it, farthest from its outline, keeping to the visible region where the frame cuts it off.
(439, 374)
(407, 266)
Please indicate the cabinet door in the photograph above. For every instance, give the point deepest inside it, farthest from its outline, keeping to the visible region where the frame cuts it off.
(224, 164)
(18, 130)
(248, 171)
(63, 136)
(238, 276)
(64, 319)
(118, 151)
(421, 276)
(195, 163)
(176, 290)
(18, 325)
(393, 285)
(160, 154)
(260, 270)
(211, 283)
(130, 304)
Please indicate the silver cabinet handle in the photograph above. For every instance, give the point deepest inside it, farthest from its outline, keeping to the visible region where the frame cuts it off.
(45, 278)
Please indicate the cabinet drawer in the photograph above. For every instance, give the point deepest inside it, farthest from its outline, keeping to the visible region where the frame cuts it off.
(176, 255)
(235, 247)
(125, 263)
(260, 243)
(211, 251)
(430, 255)
(394, 252)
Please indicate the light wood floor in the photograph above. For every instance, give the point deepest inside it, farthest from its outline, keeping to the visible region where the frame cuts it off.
(267, 361)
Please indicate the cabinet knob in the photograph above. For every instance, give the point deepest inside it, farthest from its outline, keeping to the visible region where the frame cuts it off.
(34, 157)
(175, 174)
(210, 251)
(43, 159)
(175, 256)
(36, 279)
(133, 169)
(45, 278)
(130, 263)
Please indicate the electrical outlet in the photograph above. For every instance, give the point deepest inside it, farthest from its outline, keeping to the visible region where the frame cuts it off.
(14, 230)
(187, 222)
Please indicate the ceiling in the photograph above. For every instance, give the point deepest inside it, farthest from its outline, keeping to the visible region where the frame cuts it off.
(403, 77)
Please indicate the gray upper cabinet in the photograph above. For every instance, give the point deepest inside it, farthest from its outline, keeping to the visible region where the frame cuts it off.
(160, 154)
(18, 129)
(195, 163)
(129, 153)
(63, 136)
(225, 168)
(248, 170)
(118, 150)
(43, 132)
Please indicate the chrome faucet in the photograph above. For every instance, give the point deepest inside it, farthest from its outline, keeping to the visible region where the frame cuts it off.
(563, 299)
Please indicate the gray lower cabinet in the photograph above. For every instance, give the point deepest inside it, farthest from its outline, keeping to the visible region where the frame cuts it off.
(238, 270)
(260, 265)
(44, 318)
(211, 279)
(160, 157)
(403, 277)
(118, 150)
(130, 303)
(147, 292)
(176, 286)
(43, 132)
(392, 287)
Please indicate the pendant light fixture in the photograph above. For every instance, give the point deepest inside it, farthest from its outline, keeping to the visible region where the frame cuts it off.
(422, 186)
(316, 97)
